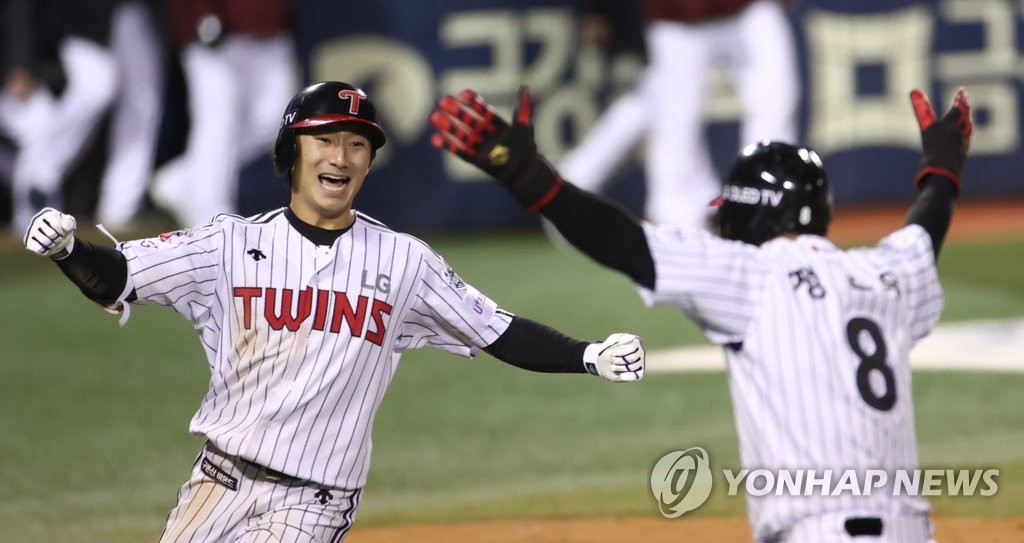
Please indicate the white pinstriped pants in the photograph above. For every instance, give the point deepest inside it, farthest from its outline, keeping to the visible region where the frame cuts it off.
(757, 47)
(236, 92)
(830, 528)
(260, 509)
(52, 131)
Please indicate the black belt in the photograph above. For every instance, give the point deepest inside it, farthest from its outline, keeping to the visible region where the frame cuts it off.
(262, 471)
(267, 473)
(856, 526)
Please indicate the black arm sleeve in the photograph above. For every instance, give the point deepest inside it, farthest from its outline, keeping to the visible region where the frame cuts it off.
(933, 209)
(532, 346)
(603, 231)
(100, 272)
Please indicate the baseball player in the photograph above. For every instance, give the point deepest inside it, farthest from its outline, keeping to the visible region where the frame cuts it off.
(816, 338)
(685, 40)
(303, 313)
(754, 41)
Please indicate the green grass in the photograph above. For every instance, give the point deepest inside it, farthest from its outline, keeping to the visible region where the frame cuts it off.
(93, 418)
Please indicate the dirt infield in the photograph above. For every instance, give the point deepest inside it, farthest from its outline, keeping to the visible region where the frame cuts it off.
(971, 221)
(650, 530)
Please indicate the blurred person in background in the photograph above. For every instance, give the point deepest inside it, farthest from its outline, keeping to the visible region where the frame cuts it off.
(240, 65)
(614, 27)
(685, 40)
(138, 42)
(60, 77)
(108, 54)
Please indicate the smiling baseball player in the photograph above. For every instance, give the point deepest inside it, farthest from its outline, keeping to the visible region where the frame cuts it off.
(303, 313)
(817, 339)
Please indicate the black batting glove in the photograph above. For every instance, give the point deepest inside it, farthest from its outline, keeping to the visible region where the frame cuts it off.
(468, 128)
(944, 144)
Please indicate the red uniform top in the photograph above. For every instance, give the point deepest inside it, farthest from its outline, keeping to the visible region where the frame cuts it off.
(257, 17)
(691, 11)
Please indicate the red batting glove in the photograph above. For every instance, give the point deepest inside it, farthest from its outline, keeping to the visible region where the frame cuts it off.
(469, 128)
(944, 143)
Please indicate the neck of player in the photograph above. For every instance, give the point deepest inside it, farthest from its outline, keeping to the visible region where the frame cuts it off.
(312, 217)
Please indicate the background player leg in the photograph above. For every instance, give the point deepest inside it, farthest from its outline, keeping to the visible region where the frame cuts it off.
(46, 156)
(136, 116)
(191, 186)
(680, 177)
(269, 65)
(765, 73)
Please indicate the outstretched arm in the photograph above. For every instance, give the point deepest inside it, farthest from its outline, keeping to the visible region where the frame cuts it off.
(533, 346)
(944, 146)
(468, 128)
(101, 273)
(604, 231)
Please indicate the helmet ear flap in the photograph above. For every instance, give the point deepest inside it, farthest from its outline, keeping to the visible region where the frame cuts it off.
(284, 151)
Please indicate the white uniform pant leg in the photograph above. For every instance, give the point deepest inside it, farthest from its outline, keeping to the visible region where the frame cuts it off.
(270, 65)
(609, 141)
(681, 180)
(766, 74)
(20, 119)
(831, 528)
(136, 115)
(47, 153)
(258, 509)
(199, 184)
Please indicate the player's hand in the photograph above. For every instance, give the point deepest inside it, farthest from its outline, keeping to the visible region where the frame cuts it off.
(619, 358)
(468, 127)
(944, 143)
(51, 233)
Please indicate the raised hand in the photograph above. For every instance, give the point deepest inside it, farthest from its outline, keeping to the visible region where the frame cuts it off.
(468, 127)
(944, 143)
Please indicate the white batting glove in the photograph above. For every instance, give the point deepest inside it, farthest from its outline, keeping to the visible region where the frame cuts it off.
(51, 233)
(619, 358)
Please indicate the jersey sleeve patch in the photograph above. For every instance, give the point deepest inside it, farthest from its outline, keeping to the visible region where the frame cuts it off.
(481, 305)
(454, 281)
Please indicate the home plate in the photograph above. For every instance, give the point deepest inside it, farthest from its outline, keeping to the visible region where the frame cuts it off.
(996, 345)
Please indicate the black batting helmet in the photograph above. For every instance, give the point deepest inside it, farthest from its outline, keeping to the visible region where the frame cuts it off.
(321, 104)
(775, 188)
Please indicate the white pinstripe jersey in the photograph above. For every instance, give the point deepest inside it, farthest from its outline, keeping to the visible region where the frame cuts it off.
(822, 379)
(302, 340)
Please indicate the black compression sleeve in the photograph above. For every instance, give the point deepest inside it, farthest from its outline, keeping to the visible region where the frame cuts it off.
(532, 346)
(100, 272)
(603, 231)
(933, 209)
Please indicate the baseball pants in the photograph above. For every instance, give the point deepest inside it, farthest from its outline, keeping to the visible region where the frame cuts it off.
(850, 528)
(231, 499)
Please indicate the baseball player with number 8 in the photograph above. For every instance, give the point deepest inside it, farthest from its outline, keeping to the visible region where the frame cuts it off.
(817, 339)
(303, 313)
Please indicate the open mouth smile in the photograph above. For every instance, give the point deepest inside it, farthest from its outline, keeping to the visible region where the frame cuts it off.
(333, 183)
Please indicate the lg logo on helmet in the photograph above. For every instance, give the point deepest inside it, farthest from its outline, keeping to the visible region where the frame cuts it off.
(354, 97)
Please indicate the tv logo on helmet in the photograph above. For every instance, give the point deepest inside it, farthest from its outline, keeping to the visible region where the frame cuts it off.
(681, 481)
(752, 196)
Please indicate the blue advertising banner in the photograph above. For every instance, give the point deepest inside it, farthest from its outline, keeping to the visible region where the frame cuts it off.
(858, 59)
